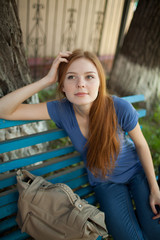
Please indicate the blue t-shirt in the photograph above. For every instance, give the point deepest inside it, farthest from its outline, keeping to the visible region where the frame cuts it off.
(127, 163)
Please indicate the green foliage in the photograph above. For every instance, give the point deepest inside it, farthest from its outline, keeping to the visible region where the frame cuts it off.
(151, 131)
(47, 94)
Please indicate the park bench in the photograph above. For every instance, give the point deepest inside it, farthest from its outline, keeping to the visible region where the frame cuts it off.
(56, 165)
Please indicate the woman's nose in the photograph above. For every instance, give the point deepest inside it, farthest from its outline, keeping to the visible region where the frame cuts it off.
(81, 82)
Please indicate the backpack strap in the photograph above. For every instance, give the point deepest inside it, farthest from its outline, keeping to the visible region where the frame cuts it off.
(74, 198)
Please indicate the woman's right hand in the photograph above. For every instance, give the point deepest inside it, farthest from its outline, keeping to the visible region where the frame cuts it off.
(12, 106)
(52, 74)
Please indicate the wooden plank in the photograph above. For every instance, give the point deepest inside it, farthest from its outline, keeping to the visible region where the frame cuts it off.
(67, 175)
(134, 98)
(84, 191)
(8, 210)
(26, 141)
(55, 164)
(16, 235)
(11, 123)
(11, 179)
(91, 200)
(7, 180)
(8, 197)
(141, 113)
(75, 183)
(22, 162)
(7, 224)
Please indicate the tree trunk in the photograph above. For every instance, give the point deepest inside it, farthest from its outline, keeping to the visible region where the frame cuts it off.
(14, 70)
(137, 67)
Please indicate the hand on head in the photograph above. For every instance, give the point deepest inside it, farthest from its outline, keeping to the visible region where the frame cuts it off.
(52, 74)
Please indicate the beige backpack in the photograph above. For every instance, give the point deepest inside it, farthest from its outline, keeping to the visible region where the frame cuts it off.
(53, 212)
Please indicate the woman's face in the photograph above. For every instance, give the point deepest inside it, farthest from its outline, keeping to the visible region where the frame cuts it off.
(81, 83)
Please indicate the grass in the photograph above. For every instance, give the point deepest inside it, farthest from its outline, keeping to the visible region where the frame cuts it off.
(151, 131)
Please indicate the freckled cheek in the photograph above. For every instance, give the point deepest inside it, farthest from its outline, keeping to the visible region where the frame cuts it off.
(69, 88)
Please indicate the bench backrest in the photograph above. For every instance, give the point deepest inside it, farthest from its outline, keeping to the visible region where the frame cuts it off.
(61, 164)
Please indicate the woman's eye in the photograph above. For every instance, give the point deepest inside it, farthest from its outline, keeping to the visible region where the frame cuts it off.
(90, 77)
(71, 77)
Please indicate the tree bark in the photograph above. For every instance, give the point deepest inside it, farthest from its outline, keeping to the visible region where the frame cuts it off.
(137, 67)
(14, 72)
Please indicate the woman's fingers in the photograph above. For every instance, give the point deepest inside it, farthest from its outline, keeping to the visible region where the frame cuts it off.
(156, 211)
(62, 57)
(155, 205)
(157, 216)
(66, 53)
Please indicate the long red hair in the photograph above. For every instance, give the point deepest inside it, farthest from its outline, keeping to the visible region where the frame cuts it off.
(103, 142)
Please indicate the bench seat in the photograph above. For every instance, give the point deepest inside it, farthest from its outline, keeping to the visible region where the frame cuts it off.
(61, 164)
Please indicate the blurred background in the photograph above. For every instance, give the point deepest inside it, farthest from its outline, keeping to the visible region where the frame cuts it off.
(51, 26)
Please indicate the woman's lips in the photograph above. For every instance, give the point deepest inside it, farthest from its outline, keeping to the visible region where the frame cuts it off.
(81, 94)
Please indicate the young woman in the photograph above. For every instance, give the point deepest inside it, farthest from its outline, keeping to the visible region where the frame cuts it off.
(118, 169)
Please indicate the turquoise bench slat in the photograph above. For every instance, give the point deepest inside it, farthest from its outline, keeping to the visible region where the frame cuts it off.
(9, 180)
(84, 191)
(8, 223)
(10, 209)
(135, 98)
(141, 113)
(78, 182)
(16, 235)
(9, 197)
(56, 165)
(91, 200)
(21, 142)
(7, 123)
(18, 163)
(67, 175)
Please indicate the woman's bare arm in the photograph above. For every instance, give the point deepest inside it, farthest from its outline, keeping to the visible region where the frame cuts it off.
(147, 163)
(11, 105)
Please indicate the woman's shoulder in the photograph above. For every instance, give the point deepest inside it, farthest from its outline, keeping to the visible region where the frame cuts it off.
(126, 113)
(121, 104)
(59, 107)
(60, 103)
(118, 100)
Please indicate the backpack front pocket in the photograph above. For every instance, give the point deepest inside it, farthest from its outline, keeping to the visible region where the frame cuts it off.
(39, 229)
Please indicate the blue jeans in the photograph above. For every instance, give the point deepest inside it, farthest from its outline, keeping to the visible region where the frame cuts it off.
(122, 221)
